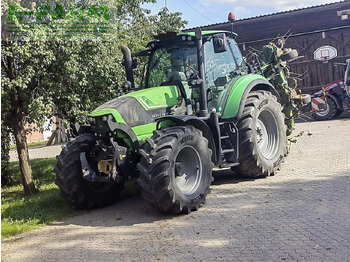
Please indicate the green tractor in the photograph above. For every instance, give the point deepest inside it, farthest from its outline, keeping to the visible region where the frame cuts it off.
(201, 106)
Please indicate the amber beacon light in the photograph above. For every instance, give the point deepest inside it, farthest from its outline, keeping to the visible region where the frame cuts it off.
(231, 17)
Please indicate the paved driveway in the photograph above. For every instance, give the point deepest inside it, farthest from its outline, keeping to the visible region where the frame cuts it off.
(301, 214)
(38, 152)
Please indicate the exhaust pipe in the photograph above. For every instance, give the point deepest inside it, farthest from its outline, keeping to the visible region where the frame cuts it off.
(128, 65)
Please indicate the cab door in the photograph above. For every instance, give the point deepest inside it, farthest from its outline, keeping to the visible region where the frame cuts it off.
(222, 68)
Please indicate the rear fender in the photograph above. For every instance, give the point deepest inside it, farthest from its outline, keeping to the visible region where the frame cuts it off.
(335, 99)
(235, 103)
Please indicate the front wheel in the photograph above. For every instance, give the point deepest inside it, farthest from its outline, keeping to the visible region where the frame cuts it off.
(73, 187)
(262, 136)
(176, 169)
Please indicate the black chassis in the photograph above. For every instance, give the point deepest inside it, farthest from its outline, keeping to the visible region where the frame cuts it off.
(123, 159)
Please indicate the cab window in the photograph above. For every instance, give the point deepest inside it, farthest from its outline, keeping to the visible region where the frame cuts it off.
(220, 69)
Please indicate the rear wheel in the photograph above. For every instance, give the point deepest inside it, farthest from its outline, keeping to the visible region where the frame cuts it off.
(262, 136)
(329, 112)
(176, 169)
(74, 188)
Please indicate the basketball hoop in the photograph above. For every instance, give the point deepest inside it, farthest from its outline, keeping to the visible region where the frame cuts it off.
(325, 53)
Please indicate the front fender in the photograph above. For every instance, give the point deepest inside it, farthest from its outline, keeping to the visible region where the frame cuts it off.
(195, 122)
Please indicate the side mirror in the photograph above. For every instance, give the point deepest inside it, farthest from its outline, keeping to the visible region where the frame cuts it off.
(219, 43)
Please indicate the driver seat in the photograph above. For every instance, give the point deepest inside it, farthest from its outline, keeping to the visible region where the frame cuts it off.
(180, 76)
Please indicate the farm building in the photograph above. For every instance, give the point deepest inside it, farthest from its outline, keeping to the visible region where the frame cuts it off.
(321, 34)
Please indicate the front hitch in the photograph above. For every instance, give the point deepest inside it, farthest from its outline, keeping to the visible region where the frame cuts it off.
(89, 173)
(119, 157)
(107, 172)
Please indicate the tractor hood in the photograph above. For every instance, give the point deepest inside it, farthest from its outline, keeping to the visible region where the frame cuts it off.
(140, 107)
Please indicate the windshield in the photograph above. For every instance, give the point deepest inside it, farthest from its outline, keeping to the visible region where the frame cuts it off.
(170, 63)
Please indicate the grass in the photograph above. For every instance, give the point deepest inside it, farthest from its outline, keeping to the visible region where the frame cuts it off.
(20, 213)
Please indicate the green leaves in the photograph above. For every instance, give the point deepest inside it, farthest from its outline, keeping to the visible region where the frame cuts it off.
(45, 74)
(68, 77)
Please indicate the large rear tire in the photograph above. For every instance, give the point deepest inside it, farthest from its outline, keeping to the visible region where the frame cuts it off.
(73, 187)
(262, 136)
(176, 169)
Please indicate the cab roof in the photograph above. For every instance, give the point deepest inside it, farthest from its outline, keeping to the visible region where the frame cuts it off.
(209, 32)
(171, 35)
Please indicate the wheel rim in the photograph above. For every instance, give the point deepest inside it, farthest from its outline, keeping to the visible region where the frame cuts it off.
(188, 170)
(267, 134)
(323, 112)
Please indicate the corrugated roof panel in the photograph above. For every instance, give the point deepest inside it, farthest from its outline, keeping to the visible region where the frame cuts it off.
(277, 13)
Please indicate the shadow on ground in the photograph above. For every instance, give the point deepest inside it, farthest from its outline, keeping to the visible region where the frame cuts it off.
(135, 210)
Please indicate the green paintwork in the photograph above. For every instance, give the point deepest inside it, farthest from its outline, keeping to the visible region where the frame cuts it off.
(150, 99)
(156, 97)
(108, 111)
(236, 93)
(146, 131)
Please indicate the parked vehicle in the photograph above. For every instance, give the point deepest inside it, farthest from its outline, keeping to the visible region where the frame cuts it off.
(333, 99)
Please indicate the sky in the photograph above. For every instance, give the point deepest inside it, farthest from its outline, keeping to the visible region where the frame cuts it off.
(206, 12)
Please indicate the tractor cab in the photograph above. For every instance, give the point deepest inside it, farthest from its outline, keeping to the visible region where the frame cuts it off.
(203, 65)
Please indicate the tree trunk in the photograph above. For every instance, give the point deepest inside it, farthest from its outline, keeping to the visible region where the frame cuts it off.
(23, 156)
(18, 126)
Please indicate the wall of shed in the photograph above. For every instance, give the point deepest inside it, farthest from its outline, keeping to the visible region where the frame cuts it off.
(308, 29)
